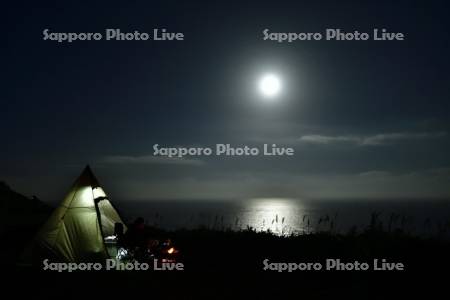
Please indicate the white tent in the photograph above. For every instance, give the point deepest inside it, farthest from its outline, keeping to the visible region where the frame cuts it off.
(77, 229)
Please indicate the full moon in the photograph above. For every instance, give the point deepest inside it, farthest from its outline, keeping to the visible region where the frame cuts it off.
(269, 85)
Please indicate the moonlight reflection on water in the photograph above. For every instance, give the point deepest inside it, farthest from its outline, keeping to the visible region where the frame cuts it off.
(279, 215)
(284, 216)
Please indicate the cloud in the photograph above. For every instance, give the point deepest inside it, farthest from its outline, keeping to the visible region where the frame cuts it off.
(323, 139)
(381, 139)
(375, 174)
(371, 140)
(374, 184)
(150, 159)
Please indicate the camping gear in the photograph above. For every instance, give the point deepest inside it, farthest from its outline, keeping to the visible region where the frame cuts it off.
(82, 227)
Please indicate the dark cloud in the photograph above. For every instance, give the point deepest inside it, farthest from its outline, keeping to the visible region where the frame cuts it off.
(150, 159)
(372, 140)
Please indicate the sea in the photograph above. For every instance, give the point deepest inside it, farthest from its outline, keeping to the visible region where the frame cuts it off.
(285, 216)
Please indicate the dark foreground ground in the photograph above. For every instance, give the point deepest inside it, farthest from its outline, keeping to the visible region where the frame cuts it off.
(229, 265)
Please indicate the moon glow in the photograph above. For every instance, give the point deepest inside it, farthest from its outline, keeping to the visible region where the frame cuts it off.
(269, 85)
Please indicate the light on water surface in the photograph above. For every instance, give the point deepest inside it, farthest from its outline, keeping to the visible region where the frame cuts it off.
(275, 214)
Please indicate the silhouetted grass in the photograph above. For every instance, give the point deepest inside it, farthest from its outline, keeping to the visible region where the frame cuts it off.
(218, 247)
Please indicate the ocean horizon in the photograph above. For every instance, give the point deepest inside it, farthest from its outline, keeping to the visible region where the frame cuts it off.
(285, 216)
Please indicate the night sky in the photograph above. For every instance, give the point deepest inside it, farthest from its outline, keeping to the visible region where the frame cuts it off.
(367, 119)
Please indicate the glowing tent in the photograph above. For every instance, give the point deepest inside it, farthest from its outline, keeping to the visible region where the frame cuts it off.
(77, 229)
